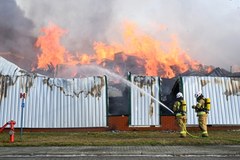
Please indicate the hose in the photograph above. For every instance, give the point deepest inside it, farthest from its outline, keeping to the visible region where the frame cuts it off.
(185, 129)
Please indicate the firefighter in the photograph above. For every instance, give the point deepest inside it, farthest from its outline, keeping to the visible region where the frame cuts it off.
(202, 108)
(179, 109)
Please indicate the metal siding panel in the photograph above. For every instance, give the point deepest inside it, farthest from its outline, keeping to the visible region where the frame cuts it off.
(218, 116)
(187, 89)
(73, 109)
(90, 109)
(101, 110)
(40, 106)
(96, 110)
(226, 118)
(214, 88)
(218, 98)
(85, 107)
(224, 108)
(223, 102)
(236, 87)
(8, 68)
(96, 102)
(17, 106)
(13, 102)
(82, 111)
(141, 104)
(135, 109)
(145, 109)
(77, 113)
(132, 116)
(51, 108)
(53, 117)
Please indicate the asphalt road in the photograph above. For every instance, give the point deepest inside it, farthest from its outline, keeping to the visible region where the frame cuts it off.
(121, 158)
(122, 152)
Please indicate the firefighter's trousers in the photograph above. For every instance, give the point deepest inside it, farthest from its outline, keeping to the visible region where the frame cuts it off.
(202, 121)
(181, 122)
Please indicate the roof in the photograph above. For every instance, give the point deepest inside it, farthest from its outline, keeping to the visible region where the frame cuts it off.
(219, 72)
(8, 68)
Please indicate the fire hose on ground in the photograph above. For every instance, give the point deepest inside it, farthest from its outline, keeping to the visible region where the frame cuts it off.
(185, 129)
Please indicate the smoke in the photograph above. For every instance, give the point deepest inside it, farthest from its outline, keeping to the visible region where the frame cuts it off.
(208, 30)
(15, 30)
(84, 21)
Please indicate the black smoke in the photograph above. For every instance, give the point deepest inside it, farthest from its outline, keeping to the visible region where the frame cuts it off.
(16, 40)
(85, 21)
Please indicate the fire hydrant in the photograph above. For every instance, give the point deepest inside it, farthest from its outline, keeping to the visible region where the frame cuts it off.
(11, 132)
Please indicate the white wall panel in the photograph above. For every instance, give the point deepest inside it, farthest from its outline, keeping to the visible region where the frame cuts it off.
(224, 93)
(55, 103)
(144, 109)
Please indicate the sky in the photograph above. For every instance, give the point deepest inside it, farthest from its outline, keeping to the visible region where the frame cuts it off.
(209, 31)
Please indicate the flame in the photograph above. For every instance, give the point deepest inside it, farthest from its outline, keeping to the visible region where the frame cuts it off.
(49, 43)
(164, 59)
(104, 52)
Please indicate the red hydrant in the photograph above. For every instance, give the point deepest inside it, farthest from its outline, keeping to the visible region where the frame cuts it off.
(11, 132)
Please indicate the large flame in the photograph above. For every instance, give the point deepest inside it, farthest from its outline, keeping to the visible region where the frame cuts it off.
(52, 51)
(163, 59)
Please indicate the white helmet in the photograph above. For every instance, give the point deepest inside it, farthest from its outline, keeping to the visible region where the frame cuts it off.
(198, 94)
(179, 95)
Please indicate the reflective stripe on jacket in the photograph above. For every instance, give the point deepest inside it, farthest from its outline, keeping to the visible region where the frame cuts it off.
(201, 113)
(178, 114)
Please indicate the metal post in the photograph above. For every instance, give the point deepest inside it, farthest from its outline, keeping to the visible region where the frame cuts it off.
(22, 95)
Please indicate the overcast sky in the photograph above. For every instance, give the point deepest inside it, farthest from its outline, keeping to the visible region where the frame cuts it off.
(208, 30)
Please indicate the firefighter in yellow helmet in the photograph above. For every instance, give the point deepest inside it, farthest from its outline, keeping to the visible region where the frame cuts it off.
(180, 111)
(202, 112)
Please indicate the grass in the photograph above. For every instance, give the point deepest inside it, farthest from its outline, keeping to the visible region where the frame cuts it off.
(136, 138)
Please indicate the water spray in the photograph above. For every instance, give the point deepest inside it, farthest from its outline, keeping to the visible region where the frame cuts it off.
(118, 77)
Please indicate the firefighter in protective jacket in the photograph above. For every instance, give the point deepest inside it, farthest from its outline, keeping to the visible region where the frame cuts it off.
(202, 108)
(180, 111)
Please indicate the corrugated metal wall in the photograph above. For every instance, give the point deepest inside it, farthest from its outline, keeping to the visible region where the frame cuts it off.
(8, 68)
(54, 103)
(224, 93)
(144, 109)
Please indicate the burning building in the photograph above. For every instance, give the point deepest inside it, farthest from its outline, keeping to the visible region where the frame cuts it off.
(37, 101)
(71, 89)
